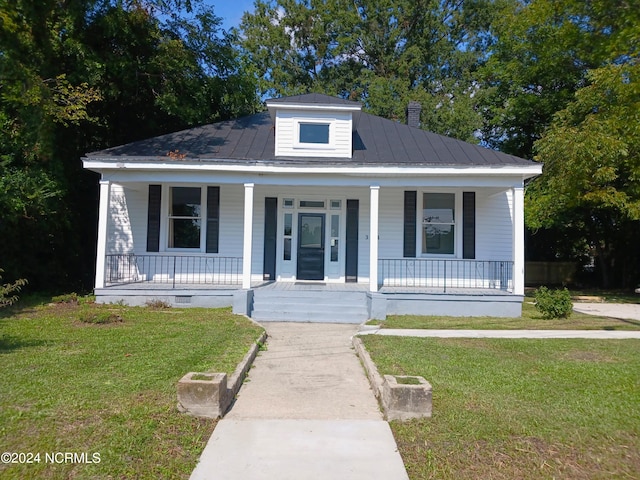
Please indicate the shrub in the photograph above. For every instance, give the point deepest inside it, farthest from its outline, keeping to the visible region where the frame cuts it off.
(65, 298)
(7, 290)
(553, 303)
(99, 317)
(157, 303)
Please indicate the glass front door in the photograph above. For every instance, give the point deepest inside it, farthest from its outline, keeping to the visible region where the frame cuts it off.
(310, 246)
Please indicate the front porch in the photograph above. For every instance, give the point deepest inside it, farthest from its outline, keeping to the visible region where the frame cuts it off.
(405, 286)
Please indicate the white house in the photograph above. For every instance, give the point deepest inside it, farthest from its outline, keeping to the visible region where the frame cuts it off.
(313, 201)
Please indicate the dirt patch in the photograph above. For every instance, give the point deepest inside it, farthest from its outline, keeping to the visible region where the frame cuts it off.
(588, 356)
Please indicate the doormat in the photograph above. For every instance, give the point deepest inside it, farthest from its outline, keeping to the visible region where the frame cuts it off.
(315, 284)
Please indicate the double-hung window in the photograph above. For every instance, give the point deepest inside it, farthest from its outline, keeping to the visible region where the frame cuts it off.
(191, 221)
(185, 217)
(438, 223)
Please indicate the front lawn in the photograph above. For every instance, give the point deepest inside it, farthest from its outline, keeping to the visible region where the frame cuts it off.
(531, 319)
(72, 386)
(526, 409)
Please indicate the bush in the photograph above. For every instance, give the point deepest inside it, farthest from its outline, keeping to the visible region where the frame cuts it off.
(65, 298)
(553, 303)
(99, 317)
(8, 289)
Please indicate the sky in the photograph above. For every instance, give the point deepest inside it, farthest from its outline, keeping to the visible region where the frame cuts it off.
(230, 11)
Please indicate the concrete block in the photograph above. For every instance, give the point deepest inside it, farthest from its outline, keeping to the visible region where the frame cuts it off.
(377, 304)
(405, 397)
(243, 302)
(203, 394)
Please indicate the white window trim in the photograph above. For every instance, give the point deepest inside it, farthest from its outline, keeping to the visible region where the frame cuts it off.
(289, 266)
(164, 219)
(314, 146)
(457, 224)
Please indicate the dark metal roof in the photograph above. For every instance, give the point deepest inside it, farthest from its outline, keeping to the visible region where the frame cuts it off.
(249, 140)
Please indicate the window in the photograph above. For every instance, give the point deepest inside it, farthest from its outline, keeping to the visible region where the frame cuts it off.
(335, 237)
(314, 133)
(438, 223)
(185, 217)
(311, 204)
(288, 233)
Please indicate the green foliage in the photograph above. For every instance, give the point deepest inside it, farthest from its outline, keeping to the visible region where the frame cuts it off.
(553, 303)
(591, 178)
(157, 304)
(383, 53)
(540, 52)
(8, 291)
(99, 317)
(84, 75)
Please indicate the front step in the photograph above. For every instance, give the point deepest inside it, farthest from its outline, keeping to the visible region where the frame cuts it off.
(271, 305)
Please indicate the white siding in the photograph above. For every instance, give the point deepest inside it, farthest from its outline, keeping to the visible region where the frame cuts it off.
(340, 136)
(363, 233)
(494, 232)
(231, 220)
(127, 210)
(127, 225)
(391, 223)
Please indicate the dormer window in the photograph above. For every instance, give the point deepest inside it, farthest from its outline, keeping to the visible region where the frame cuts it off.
(314, 126)
(316, 133)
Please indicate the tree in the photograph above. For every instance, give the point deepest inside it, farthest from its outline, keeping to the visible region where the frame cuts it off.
(84, 75)
(540, 53)
(383, 53)
(591, 180)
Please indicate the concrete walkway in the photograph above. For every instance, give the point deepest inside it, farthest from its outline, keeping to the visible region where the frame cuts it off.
(624, 311)
(595, 334)
(306, 411)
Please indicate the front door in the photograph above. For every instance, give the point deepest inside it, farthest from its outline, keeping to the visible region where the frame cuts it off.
(310, 246)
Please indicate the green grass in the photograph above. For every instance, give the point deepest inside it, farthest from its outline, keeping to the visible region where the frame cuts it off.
(531, 320)
(525, 409)
(72, 386)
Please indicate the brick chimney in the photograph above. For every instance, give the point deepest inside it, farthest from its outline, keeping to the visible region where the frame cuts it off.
(413, 114)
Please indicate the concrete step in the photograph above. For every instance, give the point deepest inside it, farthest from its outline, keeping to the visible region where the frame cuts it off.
(316, 307)
(310, 306)
(306, 296)
(319, 317)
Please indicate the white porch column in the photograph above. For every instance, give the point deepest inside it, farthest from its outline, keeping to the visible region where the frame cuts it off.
(518, 240)
(373, 238)
(103, 219)
(248, 235)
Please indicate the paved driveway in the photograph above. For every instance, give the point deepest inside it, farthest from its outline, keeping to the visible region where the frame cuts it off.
(628, 311)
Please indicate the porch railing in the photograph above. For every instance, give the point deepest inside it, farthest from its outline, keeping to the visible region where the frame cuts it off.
(446, 273)
(172, 270)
